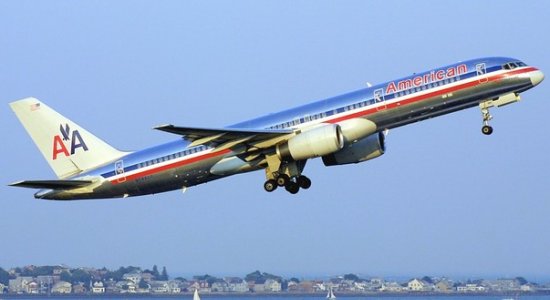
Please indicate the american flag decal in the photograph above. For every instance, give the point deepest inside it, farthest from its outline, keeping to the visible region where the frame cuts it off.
(35, 106)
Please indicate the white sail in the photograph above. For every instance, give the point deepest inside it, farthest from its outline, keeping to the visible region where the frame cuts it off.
(196, 295)
(330, 294)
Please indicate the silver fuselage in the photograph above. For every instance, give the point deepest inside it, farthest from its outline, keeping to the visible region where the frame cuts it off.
(396, 103)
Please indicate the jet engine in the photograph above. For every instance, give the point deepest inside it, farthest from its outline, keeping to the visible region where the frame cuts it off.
(312, 143)
(370, 147)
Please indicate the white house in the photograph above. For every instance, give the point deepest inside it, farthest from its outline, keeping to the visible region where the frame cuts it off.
(272, 285)
(160, 287)
(237, 284)
(470, 287)
(62, 287)
(392, 287)
(174, 287)
(98, 288)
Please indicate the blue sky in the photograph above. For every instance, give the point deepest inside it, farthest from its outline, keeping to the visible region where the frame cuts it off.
(443, 200)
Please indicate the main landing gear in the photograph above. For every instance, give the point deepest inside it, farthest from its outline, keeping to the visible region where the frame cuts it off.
(288, 175)
(292, 185)
(486, 129)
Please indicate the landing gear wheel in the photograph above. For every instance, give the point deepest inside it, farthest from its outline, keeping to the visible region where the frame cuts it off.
(487, 130)
(270, 185)
(283, 180)
(303, 182)
(292, 187)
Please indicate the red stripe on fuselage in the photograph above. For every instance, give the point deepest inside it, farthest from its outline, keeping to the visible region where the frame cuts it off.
(340, 119)
(429, 95)
(173, 165)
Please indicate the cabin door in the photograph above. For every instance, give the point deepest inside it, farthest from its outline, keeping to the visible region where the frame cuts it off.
(481, 71)
(119, 170)
(379, 99)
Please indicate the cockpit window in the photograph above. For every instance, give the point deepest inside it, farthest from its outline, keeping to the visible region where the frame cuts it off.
(513, 65)
(510, 66)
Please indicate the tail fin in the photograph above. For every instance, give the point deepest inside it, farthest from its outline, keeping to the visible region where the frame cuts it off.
(68, 148)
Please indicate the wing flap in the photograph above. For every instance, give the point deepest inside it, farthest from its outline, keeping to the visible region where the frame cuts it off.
(51, 184)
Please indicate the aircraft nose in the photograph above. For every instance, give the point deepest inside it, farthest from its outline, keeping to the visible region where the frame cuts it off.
(536, 77)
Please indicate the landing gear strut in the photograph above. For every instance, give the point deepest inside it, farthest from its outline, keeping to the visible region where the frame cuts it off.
(486, 129)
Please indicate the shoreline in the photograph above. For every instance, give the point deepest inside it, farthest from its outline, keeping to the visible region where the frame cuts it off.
(261, 295)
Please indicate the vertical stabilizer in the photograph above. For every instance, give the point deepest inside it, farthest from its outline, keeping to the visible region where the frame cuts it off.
(68, 148)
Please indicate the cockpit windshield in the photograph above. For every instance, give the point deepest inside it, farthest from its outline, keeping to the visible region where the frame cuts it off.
(513, 65)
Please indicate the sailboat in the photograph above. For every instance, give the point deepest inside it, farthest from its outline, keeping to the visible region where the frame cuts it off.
(196, 295)
(330, 294)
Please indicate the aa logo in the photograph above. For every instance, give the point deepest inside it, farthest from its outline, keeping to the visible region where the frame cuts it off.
(73, 137)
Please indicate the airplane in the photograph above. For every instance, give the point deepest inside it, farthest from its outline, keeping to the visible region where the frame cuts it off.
(345, 129)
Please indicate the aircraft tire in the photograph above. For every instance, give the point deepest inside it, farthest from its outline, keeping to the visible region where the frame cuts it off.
(270, 185)
(303, 182)
(292, 187)
(487, 130)
(283, 180)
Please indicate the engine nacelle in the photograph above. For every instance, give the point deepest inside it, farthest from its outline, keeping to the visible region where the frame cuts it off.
(312, 143)
(370, 147)
(356, 129)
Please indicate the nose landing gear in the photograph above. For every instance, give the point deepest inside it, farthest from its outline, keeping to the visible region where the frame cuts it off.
(486, 129)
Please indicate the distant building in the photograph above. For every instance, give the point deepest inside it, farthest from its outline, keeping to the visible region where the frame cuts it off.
(444, 286)
(133, 277)
(201, 285)
(174, 287)
(98, 288)
(47, 280)
(272, 286)
(127, 286)
(220, 286)
(33, 287)
(392, 287)
(419, 285)
(19, 284)
(62, 287)
(307, 286)
(159, 287)
(3, 289)
(79, 288)
(502, 285)
(237, 285)
(258, 288)
(471, 288)
(528, 287)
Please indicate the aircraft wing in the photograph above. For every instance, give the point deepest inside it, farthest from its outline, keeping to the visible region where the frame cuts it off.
(51, 184)
(223, 136)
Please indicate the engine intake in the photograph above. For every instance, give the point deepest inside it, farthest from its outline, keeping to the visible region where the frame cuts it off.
(312, 143)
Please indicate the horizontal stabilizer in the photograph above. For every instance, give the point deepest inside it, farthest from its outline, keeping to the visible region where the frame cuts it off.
(51, 184)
